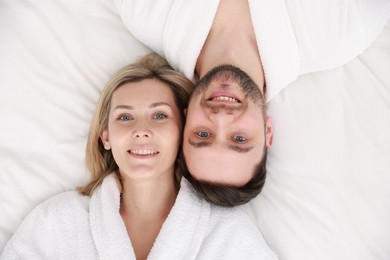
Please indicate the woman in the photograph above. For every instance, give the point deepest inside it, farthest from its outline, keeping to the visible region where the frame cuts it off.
(137, 206)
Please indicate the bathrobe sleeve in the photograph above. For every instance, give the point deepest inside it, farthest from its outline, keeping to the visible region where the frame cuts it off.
(294, 36)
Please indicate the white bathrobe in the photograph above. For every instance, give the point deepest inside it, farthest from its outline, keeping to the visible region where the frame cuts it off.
(72, 226)
(294, 37)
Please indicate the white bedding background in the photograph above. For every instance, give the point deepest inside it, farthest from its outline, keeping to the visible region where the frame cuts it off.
(326, 195)
(55, 57)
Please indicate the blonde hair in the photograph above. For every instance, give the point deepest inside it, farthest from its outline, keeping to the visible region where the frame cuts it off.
(99, 161)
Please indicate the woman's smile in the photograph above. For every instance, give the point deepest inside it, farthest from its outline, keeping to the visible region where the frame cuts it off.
(143, 153)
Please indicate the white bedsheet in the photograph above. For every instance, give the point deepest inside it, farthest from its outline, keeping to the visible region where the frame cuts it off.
(326, 194)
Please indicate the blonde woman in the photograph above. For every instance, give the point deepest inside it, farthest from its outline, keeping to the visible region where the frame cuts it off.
(137, 206)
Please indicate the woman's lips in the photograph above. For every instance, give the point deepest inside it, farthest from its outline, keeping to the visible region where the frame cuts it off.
(143, 153)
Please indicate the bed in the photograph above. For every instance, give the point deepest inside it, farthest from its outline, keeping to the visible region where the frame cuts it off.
(326, 194)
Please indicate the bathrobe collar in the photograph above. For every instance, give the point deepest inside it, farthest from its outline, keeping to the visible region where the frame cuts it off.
(180, 236)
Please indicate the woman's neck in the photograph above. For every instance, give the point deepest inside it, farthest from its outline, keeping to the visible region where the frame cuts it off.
(148, 199)
(145, 204)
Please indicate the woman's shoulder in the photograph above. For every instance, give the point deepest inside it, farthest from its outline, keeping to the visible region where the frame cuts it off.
(52, 228)
(65, 202)
(57, 209)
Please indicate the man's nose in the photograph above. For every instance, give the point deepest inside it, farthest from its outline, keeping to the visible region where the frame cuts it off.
(222, 117)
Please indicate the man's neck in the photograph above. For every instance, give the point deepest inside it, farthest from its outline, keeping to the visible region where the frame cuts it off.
(232, 41)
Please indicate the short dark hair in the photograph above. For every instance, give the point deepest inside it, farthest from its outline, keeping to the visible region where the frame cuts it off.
(228, 195)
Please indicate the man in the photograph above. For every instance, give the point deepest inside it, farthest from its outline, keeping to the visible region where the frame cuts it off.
(286, 38)
(227, 130)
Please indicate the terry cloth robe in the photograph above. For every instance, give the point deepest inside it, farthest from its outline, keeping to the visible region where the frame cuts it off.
(72, 226)
(294, 37)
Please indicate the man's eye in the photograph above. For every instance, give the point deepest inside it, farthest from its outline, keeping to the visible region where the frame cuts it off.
(239, 139)
(203, 134)
(125, 117)
(160, 116)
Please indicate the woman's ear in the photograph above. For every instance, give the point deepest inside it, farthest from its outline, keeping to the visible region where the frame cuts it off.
(185, 112)
(105, 139)
(269, 133)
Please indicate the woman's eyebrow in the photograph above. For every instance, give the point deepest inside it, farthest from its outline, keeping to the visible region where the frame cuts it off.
(157, 104)
(124, 107)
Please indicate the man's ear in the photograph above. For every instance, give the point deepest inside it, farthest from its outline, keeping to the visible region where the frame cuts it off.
(185, 112)
(269, 133)
(105, 139)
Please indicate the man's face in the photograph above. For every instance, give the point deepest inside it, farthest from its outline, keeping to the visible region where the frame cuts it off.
(225, 132)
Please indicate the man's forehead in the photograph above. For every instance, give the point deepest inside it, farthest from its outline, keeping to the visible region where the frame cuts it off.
(236, 170)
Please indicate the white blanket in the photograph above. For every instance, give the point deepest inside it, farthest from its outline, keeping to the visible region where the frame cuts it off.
(71, 226)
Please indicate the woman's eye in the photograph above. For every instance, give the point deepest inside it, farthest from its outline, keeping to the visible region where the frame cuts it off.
(125, 117)
(160, 116)
(203, 134)
(239, 139)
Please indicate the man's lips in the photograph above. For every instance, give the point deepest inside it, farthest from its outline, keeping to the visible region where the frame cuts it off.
(223, 96)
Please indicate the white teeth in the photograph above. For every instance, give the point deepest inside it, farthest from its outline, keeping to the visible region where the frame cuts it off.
(143, 152)
(224, 98)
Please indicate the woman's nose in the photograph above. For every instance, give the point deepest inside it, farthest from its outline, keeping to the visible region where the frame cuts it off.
(141, 134)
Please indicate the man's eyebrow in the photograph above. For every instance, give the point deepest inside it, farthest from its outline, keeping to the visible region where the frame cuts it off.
(240, 149)
(198, 145)
(235, 148)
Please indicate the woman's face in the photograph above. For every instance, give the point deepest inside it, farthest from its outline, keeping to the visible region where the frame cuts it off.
(144, 129)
